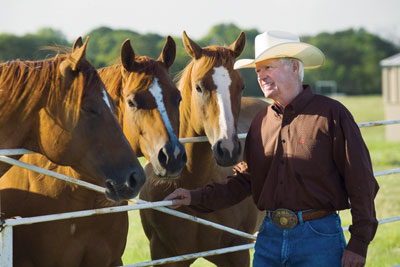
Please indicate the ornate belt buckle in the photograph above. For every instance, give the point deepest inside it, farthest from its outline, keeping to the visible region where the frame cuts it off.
(284, 219)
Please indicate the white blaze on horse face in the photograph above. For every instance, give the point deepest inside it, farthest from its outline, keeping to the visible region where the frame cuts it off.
(226, 122)
(105, 98)
(156, 91)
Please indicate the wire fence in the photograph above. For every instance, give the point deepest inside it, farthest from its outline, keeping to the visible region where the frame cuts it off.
(6, 226)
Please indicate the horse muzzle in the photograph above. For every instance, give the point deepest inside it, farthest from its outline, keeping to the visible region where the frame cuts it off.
(126, 189)
(170, 160)
(227, 155)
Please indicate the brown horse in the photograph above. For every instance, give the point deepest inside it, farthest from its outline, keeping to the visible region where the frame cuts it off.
(59, 107)
(98, 240)
(211, 101)
(148, 103)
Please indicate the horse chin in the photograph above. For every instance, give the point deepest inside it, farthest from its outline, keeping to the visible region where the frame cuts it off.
(165, 175)
(119, 194)
(226, 162)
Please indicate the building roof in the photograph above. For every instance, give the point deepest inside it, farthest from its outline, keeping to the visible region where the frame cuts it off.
(391, 61)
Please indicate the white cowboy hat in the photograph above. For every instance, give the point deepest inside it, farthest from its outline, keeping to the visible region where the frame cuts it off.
(278, 44)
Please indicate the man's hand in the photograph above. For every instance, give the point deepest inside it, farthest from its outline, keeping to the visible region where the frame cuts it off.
(180, 197)
(351, 259)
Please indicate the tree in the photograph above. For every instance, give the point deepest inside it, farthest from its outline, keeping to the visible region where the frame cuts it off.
(352, 56)
(31, 46)
(352, 60)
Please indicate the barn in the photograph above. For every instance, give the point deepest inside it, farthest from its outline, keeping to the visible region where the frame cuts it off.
(391, 94)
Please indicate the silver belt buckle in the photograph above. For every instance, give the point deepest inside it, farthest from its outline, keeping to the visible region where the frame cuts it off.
(284, 219)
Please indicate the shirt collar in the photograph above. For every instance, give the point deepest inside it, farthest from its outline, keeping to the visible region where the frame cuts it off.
(298, 103)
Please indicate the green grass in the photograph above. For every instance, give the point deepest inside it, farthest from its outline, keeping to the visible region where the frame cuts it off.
(384, 250)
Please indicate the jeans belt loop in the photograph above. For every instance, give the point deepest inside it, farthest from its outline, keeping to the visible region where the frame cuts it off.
(300, 216)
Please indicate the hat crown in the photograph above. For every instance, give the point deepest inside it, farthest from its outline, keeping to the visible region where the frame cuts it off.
(269, 39)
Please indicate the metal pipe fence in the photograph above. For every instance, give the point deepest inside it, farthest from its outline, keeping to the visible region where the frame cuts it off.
(6, 226)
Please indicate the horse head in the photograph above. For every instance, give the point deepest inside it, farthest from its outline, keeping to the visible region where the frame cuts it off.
(78, 127)
(149, 103)
(214, 95)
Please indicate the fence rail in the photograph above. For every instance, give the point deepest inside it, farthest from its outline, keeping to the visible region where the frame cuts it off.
(6, 226)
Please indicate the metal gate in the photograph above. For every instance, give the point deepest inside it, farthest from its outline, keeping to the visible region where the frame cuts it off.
(6, 226)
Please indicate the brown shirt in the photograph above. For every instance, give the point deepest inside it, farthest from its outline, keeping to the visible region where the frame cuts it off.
(311, 155)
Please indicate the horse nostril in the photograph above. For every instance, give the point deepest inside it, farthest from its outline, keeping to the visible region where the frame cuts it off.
(109, 184)
(219, 149)
(131, 181)
(163, 156)
(184, 157)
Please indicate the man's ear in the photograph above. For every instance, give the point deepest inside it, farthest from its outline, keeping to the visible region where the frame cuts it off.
(295, 65)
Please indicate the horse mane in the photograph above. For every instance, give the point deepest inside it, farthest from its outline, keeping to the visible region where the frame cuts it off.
(27, 86)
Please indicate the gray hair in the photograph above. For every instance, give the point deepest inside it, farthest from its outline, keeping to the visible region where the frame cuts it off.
(288, 61)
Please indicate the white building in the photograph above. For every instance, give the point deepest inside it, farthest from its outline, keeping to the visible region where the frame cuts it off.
(391, 94)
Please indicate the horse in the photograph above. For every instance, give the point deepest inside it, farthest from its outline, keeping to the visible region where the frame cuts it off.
(211, 103)
(148, 103)
(59, 107)
(98, 240)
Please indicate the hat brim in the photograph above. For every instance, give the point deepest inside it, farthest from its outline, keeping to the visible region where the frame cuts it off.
(309, 55)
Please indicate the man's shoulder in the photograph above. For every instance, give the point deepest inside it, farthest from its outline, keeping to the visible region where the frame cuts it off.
(332, 106)
(328, 102)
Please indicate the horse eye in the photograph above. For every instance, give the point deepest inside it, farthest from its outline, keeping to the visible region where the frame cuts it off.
(178, 100)
(198, 89)
(90, 109)
(132, 103)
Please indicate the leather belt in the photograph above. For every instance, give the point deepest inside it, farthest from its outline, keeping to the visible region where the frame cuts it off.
(286, 219)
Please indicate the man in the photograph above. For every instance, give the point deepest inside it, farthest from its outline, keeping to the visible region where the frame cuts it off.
(304, 159)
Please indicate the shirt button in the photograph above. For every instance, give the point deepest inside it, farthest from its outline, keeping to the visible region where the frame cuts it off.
(281, 182)
(283, 141)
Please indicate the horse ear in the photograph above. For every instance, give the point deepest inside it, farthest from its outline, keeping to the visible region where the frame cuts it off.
(78, 53)
(78, 43)
(238, 45)
(128, 56)
(191, 47)
(168, 53)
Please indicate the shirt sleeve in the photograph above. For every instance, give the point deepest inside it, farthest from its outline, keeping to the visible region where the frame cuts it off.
(215, 196)
(352, 158)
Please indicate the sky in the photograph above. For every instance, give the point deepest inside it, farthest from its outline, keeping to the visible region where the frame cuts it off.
(171, 17)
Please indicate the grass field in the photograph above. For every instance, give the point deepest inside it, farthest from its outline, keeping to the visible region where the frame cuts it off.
(384, 250)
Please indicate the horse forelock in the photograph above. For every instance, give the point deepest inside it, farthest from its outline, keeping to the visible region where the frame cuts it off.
(212, 56)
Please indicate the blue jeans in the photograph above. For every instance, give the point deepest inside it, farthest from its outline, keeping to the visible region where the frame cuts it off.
(313, 243)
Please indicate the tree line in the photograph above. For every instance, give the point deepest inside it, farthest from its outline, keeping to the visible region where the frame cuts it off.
(352, 56)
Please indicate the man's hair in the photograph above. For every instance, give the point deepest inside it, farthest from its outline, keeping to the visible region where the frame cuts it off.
(287, 61)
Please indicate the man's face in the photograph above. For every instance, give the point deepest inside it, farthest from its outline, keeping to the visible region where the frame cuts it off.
(275, 78)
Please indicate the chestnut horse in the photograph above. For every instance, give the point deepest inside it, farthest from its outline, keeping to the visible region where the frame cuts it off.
(211, 101)
(98, 240)
(148, 103)
(59, 107)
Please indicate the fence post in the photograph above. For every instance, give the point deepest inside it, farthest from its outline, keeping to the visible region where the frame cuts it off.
(6, 247)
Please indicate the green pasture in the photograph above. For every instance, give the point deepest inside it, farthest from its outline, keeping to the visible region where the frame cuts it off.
(385, 248)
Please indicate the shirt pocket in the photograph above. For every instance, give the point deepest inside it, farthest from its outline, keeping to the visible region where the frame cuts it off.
(308, 157)
(306, 149)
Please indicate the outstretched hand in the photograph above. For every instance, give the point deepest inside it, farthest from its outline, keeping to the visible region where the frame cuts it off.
(180, 197)
(352, 259)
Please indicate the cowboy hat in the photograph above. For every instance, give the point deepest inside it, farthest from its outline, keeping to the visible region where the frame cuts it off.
(279, 44)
